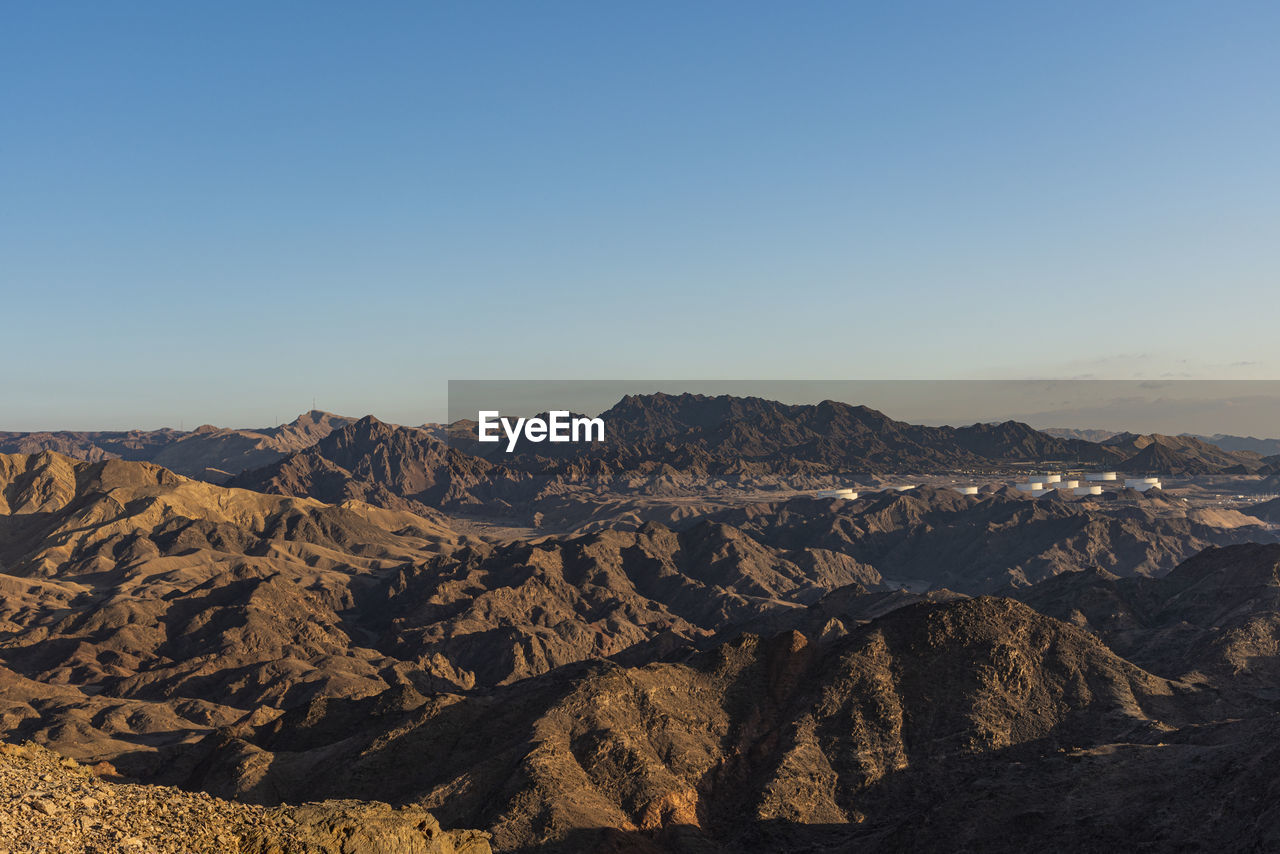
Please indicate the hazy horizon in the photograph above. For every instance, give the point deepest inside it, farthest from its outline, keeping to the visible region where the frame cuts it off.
(1241, 408)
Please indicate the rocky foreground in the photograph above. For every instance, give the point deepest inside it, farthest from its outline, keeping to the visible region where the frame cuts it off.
(53, 805)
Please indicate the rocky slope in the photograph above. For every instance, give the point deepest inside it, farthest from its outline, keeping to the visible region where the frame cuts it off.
(1264, 447)
(216, 454)
(1216, 617)
(1268, 511)
(759, 744)
(140, 607)
(486, 616)
(52, 805)
(1178, 455)
(984, 544)
(401, 468)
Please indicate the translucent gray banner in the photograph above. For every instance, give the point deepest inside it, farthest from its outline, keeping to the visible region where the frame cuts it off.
(1202, 407)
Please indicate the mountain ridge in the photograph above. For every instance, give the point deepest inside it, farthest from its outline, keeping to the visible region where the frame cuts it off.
(207, 452)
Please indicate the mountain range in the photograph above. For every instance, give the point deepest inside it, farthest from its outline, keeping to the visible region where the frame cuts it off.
(742, 435)
(1223, 441)
(208, 452)
(956, 723)
(654, 441)
(594, 649)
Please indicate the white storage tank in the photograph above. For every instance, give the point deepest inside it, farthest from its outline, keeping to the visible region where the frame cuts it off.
(966, 490)
(848, 494)
(1032, 486)
(1051, 478)
(904, 487)
(1101, 475)
(1068, 484)
(1140, 482)
(1087, 490)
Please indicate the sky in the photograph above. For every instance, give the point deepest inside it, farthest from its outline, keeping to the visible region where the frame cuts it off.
(224, 212)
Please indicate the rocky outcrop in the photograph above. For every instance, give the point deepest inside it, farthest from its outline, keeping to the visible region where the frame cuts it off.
(401, 468)
(53, 805)
(356, 827)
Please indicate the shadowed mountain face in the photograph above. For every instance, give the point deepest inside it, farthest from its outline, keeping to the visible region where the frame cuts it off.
(986, 544)
(959, 723)
(1179, 455)
(1215, 617)
(855, 438)
(215, 454)
(1263, 447)
(396, 467)
(499, 615)
(730, 434)
(759, 744)
(1268, 511)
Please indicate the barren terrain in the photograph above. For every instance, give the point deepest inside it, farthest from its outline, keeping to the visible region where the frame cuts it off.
(638, 647)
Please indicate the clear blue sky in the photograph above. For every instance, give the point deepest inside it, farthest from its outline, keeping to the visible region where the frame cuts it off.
(213, 212)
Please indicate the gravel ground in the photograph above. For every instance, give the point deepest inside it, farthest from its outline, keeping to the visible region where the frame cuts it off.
(53, 805)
